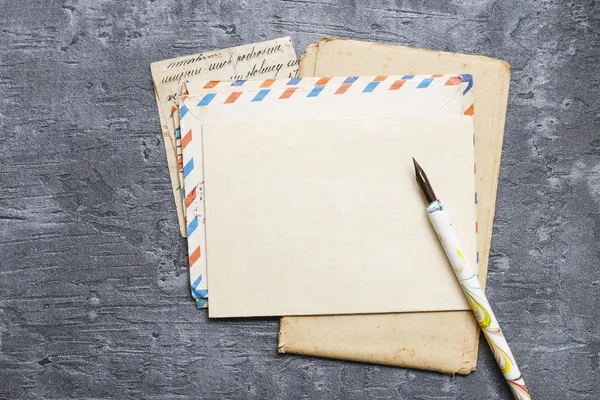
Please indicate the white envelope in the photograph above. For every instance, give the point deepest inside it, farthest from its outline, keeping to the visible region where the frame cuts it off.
(297, 99)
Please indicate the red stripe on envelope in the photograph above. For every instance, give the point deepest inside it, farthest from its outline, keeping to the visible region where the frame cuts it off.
(380, 78)
(455, 80)
(288, 93)
(267, 83)
(189, 199)
(323, 81)
(233, 97)
(194, 256)
(470, 110)
(186, 139)
(397, 84)
(211, 84)
(343, 88)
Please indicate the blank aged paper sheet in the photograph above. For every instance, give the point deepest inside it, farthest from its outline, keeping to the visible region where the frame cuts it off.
(324, 216)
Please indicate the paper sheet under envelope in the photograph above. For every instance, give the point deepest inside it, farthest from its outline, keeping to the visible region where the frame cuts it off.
(338, 97)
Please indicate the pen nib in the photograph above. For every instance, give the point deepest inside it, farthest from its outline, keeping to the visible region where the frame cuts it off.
(417, 166)
(424, 183)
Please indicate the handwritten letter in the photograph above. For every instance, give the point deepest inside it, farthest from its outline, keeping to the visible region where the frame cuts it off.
(271, 59)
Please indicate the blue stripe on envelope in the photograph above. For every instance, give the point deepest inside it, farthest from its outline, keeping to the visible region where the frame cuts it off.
(370, 87)
(425, 83)
(182, 111)
(188, 168)
(261, 95)
(207, 99)
(200, 303)
(469, 79)
(198, 293)
(192, 226)
(315, 91)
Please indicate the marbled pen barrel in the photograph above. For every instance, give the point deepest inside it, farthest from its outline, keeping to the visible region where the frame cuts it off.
(476, 297)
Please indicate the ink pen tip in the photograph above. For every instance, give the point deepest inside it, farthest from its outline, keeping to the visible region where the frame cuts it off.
(424, 182)
(418, 169)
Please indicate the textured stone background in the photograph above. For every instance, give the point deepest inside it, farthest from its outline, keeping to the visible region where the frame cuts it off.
(94, 299)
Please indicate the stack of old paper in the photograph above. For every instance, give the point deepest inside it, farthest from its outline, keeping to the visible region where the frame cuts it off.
(253, 61)
(294, 201)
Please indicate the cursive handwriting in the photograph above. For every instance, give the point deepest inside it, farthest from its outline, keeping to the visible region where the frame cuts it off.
(192, 60)
(260, 53)
(265, 69)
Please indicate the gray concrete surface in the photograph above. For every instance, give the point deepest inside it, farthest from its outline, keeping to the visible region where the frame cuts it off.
(94, 299)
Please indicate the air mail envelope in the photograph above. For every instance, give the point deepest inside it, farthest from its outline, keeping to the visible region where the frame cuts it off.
(297, 99)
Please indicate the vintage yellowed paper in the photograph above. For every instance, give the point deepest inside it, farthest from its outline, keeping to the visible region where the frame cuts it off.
(444, 341)
(273, 59)
(332, 206)
(308, 61)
